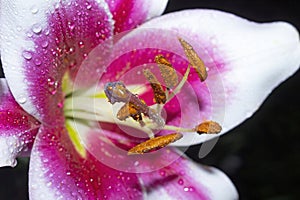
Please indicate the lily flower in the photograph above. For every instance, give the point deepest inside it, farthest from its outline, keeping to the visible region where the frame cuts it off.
(66, 63)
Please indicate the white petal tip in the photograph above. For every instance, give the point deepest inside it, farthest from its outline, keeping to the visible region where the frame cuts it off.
(9, 149)
(222, 184)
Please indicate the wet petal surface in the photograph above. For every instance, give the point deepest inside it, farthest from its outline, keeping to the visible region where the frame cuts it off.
(17, 129)
(130, 13)
(41, 41)
(57, 171)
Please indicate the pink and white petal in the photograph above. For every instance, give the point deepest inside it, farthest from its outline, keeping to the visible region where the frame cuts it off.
(128, 14)
(185, 179)
(164, 173)
(17, 129)
(246, 61)
(41, 40)
(57, 171)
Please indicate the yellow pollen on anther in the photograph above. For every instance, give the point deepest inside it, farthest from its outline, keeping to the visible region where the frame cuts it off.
(208, 127)
(159, 94)
(130, 110)
(167, 71)
(194, 59)
(155, 143)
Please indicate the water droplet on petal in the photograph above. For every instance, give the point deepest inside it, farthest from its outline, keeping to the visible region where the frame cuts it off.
(49, 184)
(162, 172)
(34, 10)
(180, 182)
(60, 105)
(36, 28)
(29, 34)
(71, 26)
(19, 28)
(37, 61)
(56, 5)
(136, 163)
(21, 99)
(34, 186)
(27, 55)
(72, 64)
(74, 194)
(45, 44)
(89, 6)
(81, 44)
(52, 85)
(14, 163)
(47, 31)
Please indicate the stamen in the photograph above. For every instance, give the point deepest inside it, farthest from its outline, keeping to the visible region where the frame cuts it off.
(178, 129)
(167, 71)
(129, 110)
(181, 84)
(155, 143)
(194, 59)
(208, 127)
(159, 94)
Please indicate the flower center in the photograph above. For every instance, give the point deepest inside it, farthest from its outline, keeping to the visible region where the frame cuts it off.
(94, 106)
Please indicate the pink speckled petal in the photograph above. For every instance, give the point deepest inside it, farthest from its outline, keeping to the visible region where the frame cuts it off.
(114, 141)
(245, 62)
(185, 179)
(17, 128)
(130, 13)
(57, 171)
(41, 41)
(164, 174)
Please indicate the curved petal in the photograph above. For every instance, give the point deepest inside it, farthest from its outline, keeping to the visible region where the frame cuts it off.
(41, 40)
(184, 179)
(130, 13)
(164, 174)
(245, 62)
(17, 128)
(57, 171)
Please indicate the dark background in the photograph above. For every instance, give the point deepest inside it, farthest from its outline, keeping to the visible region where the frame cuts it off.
(261, 156)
